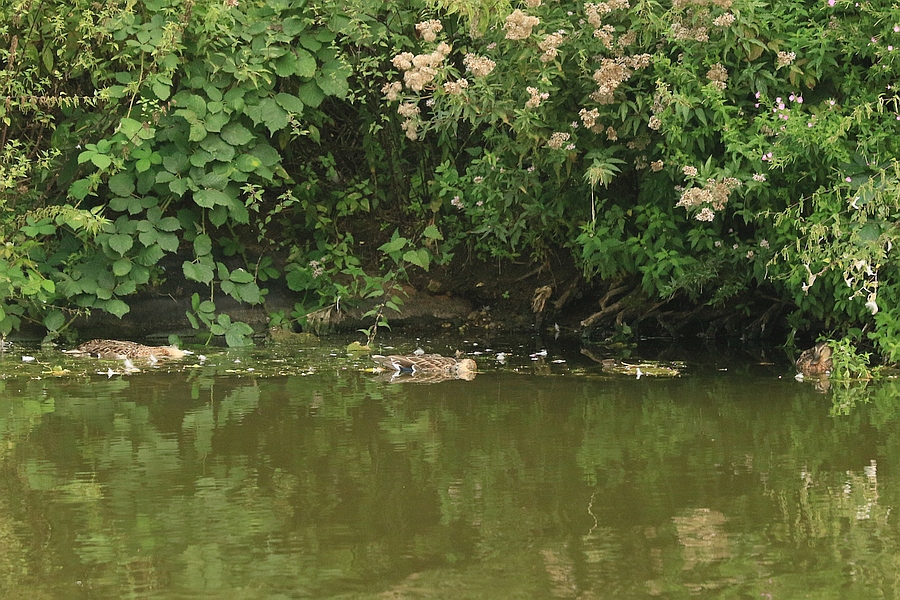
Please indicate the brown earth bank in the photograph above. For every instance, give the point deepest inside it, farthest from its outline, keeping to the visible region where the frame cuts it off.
(551, 297)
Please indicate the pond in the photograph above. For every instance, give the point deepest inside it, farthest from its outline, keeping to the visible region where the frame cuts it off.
(285, 472)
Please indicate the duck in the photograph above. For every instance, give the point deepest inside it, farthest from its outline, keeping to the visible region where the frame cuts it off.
(427, 363)
(815, 360)
(125, 350)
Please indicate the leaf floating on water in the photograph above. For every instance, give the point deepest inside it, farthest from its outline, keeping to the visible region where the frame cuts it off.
(357, 348)
(56, 371)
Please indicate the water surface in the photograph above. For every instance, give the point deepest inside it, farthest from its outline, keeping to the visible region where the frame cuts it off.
(293, 473)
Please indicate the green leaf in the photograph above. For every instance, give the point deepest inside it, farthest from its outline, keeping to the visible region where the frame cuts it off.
(394, 245)
(272, 115)
(168, 242)
(290, 103)
(54, 320)
(249, 293)
(239, 212)
(306, 63)
(198, 132)
(117, 308)
(310, 42)
(168, 224)
(286, 65)
(214, 180)
(80, 189)
(218, 215)
(200, 157)
(179, 186)
(293, 25)
(121, 184)
(310, 94)
(215, 122)
(236, 134)
(432, 233)
(241, 276)
(333, 78)
(194, 103)
(130, 127)
(208, 198)
(161, 90)
(101, 161)
(218, 147)
(148, 238)
(177, 162)
(267, 154)
(420, 258)
(197, 272)
(121, 267)
(121, 242)
(202, 245)
(247, 163)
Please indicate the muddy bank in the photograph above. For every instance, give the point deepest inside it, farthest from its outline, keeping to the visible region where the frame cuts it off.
(551, 297)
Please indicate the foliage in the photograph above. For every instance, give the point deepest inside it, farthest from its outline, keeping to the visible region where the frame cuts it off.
(192, 107)
(705, 149)
(848, 363)
(728, 138)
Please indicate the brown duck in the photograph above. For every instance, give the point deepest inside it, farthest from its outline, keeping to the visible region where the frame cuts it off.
(816, 360)
(427, 363)
(121, 350)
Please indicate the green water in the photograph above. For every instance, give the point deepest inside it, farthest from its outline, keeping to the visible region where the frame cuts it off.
(293, 473)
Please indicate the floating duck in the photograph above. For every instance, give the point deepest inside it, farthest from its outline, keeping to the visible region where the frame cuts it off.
(428, 363)
(123, 350)
(816, 360)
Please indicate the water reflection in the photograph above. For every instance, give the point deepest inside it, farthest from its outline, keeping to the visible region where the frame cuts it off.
(328, 482)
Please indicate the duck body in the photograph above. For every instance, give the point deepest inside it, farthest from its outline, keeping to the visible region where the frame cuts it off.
(816, 360)
(125, 350)
(427, 363)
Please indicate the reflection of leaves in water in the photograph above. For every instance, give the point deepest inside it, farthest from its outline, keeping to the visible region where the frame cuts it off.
(313, 485)
(702, 535)
(847, 395)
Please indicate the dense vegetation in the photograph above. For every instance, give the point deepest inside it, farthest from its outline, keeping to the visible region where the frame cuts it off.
(708, 150)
